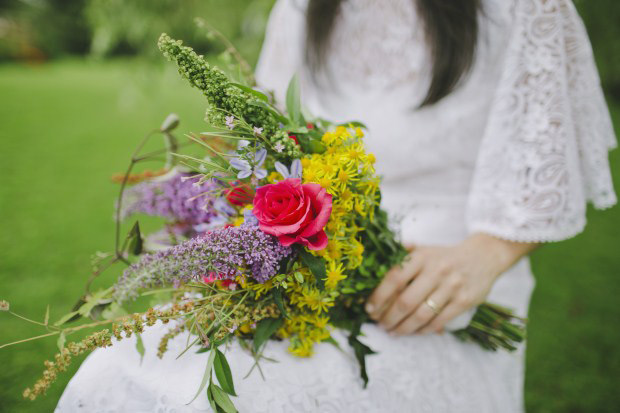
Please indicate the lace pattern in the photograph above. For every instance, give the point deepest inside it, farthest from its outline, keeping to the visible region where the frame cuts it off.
(544, 153)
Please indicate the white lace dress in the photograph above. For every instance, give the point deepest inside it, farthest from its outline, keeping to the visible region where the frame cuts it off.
(516, 152)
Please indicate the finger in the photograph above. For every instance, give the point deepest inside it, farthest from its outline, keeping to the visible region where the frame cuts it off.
(451, 311)
(395, 280)
(425, 313)
(409, 300)
(410, 247)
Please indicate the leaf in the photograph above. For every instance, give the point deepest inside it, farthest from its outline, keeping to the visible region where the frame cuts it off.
(221, 399)
(293, 101)
(361, 351)
(355, 124)
(211, 399)
(257, 94)
(65, 318)
(223, 374)
(61, 341)
(277, 297)
(264, 330)
(46, 320)
(317, 146)
(92, 301)
(135, 239)
(299, 277)
(140, 346)
(113, 311)
(316, 266)
(205, 377)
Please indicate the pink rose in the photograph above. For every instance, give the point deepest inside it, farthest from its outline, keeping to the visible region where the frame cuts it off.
(293, 212)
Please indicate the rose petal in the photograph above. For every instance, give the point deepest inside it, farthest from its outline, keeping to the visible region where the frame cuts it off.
(316, 242)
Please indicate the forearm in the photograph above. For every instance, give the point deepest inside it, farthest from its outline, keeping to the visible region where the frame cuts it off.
(502, 253)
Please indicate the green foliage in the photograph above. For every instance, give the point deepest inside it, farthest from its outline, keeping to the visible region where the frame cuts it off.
(35, 30)
(224, 97)
(264, 330)
(316, 266)
(223, 373)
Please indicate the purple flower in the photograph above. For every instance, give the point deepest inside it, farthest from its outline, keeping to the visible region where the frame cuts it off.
(247, 169)
(178, 198)
(228, 252)
(295, 171)
(230, 122)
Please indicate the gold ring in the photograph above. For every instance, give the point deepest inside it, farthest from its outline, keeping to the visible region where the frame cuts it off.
(432, 305)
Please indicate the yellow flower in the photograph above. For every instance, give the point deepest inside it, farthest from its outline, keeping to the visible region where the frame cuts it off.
(245, 329)
(310, 174)
(316, 301)
(261, 289)
(274, 177)
(334, 249)
(301, 347)
(326, 182)
(334, 275)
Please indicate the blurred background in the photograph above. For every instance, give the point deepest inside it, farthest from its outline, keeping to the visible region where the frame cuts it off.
(81, 81)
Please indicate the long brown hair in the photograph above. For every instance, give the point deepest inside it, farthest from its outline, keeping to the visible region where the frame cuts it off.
(451, 28)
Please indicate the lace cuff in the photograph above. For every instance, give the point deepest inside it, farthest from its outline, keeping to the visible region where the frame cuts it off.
(544, 151)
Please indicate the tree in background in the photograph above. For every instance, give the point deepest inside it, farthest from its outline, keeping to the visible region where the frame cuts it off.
(120, 26)
(40, 29)
(36, 29)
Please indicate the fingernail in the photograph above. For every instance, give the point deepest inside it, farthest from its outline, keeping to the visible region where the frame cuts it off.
(369, 308)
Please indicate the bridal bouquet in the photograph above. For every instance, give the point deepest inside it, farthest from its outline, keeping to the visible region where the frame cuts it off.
(275, 233)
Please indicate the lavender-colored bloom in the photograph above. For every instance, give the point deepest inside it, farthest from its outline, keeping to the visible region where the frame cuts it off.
(228, 252)
(230, 122)
(249, 218)
(295, 172)
(225, 213)
(246, 168)
(179, 198)
(279, 147)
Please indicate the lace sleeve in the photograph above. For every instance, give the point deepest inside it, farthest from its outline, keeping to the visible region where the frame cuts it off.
(544, 151)
(281, 55)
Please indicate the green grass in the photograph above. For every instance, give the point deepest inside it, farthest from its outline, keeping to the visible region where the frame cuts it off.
(66, 127)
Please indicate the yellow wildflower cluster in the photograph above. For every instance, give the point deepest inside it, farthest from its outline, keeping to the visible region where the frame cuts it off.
(346, 171)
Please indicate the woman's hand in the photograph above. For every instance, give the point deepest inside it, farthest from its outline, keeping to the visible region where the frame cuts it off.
(436, 284)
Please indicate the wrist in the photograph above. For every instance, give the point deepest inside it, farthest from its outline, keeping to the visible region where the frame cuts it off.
(504, 253)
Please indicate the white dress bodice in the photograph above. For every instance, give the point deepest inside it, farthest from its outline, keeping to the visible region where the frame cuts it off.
(516, 151)
(520, 146)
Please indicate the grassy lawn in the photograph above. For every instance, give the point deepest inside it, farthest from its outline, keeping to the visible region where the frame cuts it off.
(66, 127)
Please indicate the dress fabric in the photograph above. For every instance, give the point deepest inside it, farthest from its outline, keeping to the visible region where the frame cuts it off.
(516, 151)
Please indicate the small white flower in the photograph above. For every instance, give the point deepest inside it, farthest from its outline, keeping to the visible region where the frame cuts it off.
(233, 329)
(278, 147)
(230, 122)
(257, 131)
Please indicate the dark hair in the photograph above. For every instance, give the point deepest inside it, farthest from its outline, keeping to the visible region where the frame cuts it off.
(451, 28)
